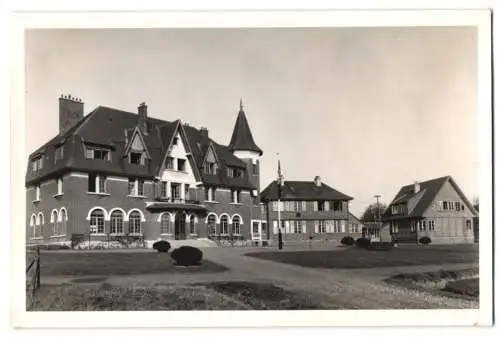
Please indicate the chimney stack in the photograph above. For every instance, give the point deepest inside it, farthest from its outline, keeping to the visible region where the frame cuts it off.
(416, 187)
(317, 181)
(143, 117)
(204, 135)
(70, 112)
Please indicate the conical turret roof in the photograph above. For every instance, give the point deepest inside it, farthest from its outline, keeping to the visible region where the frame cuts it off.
(242, 139)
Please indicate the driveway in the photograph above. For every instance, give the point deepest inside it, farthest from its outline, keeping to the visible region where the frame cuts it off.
(345, 288)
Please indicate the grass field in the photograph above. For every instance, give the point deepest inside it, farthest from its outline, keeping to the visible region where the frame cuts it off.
(468, 287)
(108, 263)
(211, 296)
(356, 258)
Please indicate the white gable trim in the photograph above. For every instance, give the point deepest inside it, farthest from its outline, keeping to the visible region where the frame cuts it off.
(136, 133)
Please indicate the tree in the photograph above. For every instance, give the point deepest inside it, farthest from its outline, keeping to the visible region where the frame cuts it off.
(372, 211)
(475, 203)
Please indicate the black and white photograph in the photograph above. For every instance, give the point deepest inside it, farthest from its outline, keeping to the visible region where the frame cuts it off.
(256, 168)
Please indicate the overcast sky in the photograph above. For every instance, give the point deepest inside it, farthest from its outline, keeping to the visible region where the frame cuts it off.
(367, 109)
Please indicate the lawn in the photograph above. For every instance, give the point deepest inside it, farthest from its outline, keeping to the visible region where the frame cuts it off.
(467, 287)
(357, 258)
(211, 296)
(108, 263)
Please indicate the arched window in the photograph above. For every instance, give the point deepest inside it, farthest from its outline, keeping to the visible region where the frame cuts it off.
(62, 224)
(39, 225)
(97, 221)
(116, 225)
(224, 225)
(53, 216)
(165, 224)
(33, 224)
(134, 223)
(235, 226)
(54, 220)
(192, 224)
(211, 224)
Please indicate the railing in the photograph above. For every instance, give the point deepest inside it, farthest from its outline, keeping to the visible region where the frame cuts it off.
(178, 200)
(32, 274)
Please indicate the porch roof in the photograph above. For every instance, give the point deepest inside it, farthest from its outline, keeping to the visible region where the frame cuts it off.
(165, 206)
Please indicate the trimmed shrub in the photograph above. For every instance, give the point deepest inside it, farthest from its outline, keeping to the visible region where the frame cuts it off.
(425, 240)
(347, 240)
(187, 256)
(362, 243)
(161, 246)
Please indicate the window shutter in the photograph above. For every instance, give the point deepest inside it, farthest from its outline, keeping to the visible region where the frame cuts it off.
(304, 206)
(292, 226)
(287, 226)
(315, 205)
(316, 229)
(342, 223)
(304, 227)
(327, 205)
(275, 227)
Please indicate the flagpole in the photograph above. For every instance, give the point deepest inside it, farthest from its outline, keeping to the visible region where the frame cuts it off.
(279, 194)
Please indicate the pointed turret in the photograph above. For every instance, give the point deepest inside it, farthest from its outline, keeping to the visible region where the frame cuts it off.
(242, 139)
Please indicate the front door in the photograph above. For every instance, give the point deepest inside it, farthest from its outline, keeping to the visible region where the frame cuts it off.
(180, 226)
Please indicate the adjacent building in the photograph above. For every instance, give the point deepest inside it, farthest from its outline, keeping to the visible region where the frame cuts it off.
(113, 173)
(435, 208)
(307, 209)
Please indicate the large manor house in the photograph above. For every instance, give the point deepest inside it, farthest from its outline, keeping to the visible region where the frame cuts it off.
(113, 174)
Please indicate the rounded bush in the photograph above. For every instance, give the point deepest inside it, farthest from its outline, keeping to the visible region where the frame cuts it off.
(161, 246)
(187, 256)
(425, 240)
(362, 243)
(347, 240)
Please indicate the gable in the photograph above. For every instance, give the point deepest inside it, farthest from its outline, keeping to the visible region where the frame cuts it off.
(177, 153)
(449, 193)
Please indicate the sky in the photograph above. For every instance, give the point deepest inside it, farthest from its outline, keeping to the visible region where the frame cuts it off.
(366, 109)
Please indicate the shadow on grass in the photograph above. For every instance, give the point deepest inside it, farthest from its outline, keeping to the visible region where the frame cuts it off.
(106, 263)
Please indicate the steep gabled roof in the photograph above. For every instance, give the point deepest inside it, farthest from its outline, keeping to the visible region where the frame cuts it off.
(302, 190)
(114, 129)
(242, 138)
(428, 191)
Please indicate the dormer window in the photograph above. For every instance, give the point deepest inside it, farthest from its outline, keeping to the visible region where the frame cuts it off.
(210, 168)
(37, 163)
(59, 154)
(97, 153)
(175, 140)
(136, 158)
(234, 172)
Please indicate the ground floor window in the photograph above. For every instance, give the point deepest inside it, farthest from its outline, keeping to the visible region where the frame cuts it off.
(223, 225)
(192, 224)
(431, 225)
(116, 225)
(97, 222)
(413, 227)
(165, 224)
(321, 225)
(235, 226)
(134, 223)
(468, 224)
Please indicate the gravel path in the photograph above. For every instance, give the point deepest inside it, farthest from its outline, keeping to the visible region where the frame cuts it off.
(343, 288)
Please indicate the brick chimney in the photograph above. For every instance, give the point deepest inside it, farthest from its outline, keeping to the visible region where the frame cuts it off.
(143, 117)
(317, 181)
(70, 112)
(204, 136)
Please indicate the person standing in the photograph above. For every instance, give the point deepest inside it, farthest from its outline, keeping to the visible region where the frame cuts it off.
(280, 239)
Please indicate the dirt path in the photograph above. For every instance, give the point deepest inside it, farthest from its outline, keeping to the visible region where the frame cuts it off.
(348, 289)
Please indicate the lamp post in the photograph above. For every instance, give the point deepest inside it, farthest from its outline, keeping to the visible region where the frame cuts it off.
(377, 220)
